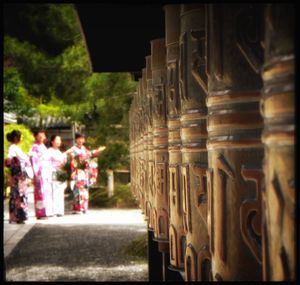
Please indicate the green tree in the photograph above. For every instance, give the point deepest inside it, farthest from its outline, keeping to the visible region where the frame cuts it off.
(16, 96)
(46, 66)
(50, 27)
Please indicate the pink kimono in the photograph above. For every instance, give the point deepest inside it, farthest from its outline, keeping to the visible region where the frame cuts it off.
(42, 169)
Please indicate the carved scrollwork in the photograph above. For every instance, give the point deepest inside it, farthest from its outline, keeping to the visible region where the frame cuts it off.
(172, 84)
(249, 23)
(224, 171)
(191, 263)
(186, 198)
(198, 59)
(159, 102)
(204, 264)
(183, 67)
(250, 212)
(175, 188)
(201, 191)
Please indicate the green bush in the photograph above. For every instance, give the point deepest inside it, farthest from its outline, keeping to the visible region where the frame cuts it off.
(25, 145)
(98, 196)
(122, 198)
(137, 248)
(116, 155)
(27, 137)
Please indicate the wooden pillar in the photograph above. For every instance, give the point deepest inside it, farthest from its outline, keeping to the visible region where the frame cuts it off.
(160, 142)
(193, 86)
(278, 110)
(176, 231)
(144, 135)
(133, 150)
(234, 58)
(150, 170)
(155, 261)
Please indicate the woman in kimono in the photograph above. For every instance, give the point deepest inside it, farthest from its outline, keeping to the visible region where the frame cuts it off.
(57, 159)
(80, 173)
(42, 170)
(17, 161)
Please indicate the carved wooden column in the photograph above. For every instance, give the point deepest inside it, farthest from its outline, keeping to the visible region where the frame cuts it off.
(160, 143)
(140, 176)
(150, 173)
(176, 231)
(278, 109)
(234, 59)
(193, 86)
(145, 159)
(133, 145)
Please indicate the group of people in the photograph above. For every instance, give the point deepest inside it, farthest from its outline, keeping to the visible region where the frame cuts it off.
(43, 165)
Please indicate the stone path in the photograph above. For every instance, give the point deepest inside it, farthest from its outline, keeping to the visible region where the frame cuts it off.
(86, 247)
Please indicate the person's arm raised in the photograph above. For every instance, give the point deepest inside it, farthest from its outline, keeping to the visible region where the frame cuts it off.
(98, 150)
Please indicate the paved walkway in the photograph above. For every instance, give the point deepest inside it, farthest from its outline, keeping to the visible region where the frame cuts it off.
(13, 233)
(84, 247)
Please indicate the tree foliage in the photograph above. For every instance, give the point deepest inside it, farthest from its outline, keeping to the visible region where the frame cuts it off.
(47, 73)
(50, 27)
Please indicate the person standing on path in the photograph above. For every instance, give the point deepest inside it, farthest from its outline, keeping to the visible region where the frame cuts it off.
(39, 156)
(57, 159)
(18, 162)
(80, 156)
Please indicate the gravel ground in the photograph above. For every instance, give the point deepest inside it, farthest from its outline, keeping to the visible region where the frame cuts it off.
(79, 252)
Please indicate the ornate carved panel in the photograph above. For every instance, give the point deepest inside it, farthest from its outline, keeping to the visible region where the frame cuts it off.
(174, 192)
(204, 264)
(198, 58)
(186, 198)
(249, 35)
(200, 194)
(183, 67)
(210, 212)
(173, 245)
(191, 264)
(161, 180)
(250, 212)
(224, 172)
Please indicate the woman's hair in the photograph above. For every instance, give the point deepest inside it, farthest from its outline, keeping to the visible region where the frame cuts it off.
(52, 138)
(35, 133)
(79, 135)
(14, 136)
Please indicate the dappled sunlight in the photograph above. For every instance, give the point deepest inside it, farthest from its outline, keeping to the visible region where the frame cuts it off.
(129, 272)
(97, 217)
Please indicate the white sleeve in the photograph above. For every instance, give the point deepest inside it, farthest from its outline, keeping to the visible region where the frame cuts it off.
(20, 154)
(16, 151)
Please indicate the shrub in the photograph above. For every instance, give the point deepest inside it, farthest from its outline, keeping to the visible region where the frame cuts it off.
(98, 196)
(116, 155)
(27, 137)
(122, 197)
(137, 248)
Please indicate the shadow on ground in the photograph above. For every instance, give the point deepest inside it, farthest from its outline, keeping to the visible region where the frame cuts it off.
(76, 253)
